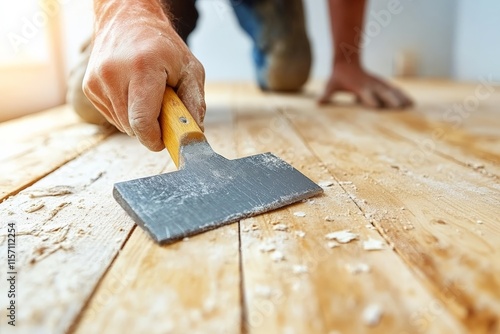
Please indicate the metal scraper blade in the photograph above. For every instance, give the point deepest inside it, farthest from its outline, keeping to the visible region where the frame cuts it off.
(210, 192)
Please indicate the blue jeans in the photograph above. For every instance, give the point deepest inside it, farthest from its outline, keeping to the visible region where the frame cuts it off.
(281, 50)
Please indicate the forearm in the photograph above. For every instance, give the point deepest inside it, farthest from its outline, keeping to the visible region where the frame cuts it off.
(346, 22)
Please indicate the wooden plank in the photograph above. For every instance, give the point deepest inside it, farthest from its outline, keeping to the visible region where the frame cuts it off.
(69, 229)
(189, 287)
(315, 288)
(458, 121)
(35, 145)
(441, 216)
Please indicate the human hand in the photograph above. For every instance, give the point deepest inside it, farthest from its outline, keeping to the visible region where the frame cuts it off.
(369, 90)
(136, 53)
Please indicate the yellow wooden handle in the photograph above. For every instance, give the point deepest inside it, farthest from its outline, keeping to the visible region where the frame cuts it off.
(178, 127)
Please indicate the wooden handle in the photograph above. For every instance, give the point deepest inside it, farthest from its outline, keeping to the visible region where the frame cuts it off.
(178, 127)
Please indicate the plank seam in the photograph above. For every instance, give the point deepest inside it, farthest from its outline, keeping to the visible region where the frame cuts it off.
(105, 135)
(244, 311)
(76, 321)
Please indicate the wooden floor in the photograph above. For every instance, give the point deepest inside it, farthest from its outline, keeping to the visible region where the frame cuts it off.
(420, 186)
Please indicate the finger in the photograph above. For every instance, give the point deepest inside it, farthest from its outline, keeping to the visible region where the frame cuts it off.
(102, 108)
(368, 98)
(387, 96)
(102, 104)
(191, 91)
(144, 104)
(330, 88)
(120, 111)
(405, 101)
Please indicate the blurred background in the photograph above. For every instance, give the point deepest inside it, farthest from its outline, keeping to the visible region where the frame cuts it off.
(454, 39)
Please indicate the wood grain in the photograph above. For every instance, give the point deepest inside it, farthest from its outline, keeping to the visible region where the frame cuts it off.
(317, 289)
(423, 182)
(36, 145)
(440, 215)
(69, 230)
(191, 286)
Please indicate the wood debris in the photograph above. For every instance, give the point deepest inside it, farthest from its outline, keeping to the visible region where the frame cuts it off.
(34, 207)
(277, 256)
(56, 210)
(358, 268)
(299, 269)
(299, 214)
(325, 184)
(263, 290)
(343, 236)
(332, 244)
(373, 244)
(280, 227)
(265, 248)
(372, 315)
(53, 191)
(329, 219)
(300, 234)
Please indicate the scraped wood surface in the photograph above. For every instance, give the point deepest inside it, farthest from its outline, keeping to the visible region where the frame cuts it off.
(421, 184)
(36, 145)
(192, 286)
(315, 288)
(69, 230)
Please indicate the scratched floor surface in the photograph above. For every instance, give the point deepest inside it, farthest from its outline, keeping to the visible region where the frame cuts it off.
(405, 239)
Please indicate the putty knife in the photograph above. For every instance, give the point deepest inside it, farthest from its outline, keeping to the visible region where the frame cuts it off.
(208, 190)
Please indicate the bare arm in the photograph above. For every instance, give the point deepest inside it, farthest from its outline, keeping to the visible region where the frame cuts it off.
(136, 52)
(346, 21)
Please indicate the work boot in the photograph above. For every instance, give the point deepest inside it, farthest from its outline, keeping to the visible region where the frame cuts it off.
(282, 53)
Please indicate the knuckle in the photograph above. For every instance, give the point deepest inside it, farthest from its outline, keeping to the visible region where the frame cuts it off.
(107, 69)
(141, 61)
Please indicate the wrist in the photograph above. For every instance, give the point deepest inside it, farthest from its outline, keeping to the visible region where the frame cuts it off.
(343, 58)
(109, 12)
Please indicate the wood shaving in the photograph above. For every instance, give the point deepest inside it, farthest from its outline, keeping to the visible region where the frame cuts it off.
(343, 236)
(332, 244)
(299, 269)
(57, 209)
(300, 234)
(265, 248)
(326, 184)
(373, 244)
(479, 222)
(370, 226)
(53, 191)
(277, 256)
(329, 219)
(299, 214)
(358, 268)
(372, 315)
(345, 182)
(34, 207)
(263, 290)
(280, 227)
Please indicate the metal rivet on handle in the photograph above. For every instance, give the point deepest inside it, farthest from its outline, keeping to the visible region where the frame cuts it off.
(183, 120)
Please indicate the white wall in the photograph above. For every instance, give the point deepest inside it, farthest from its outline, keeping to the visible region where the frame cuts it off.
(424, 28)
(477, 44)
